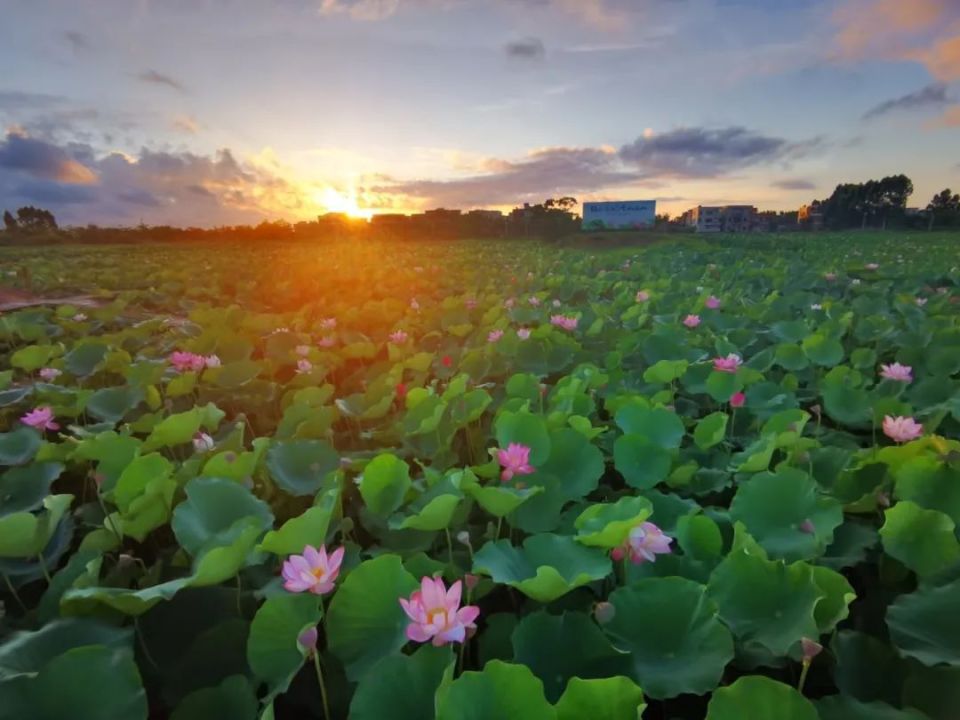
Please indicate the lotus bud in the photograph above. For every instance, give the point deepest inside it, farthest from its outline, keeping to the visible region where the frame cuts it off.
(604, 612)
(471, 581)
(464, 537)
(811, 648)
(807, 527)
(308, 641)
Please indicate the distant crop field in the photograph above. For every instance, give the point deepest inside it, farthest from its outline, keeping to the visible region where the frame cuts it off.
(409, 480)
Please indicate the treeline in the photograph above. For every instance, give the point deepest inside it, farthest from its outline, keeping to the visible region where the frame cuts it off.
(883, 204)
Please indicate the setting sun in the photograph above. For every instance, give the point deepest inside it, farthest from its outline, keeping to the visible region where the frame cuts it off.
(332, 200)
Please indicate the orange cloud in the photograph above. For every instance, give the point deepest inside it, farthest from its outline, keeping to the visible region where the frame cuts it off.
(943, 59)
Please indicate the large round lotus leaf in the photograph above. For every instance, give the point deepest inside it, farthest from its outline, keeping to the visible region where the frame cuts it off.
(613, 698)
(402, 687)
(436, 514)
(33, 357)
(606, 525)
(784, 512)
(19, 446)
(767, 604)
(384, 484)
(237, 374)
(272, 649)
(925, 624)
(233, 698)
(755, 697)
(545, 568)
(923, 540)
(501, 501)
(711, 430)
(560, 647)
(25, 534)
(669, 509)
(180, 428)
(851, 543)
(224, 560)
(524, 429)
(112, 404)
(308, 528)
(935, 691)
(657, 425)
(500, 691)
(930, 483)
(677, 643)
(866, 668)
(721, 385)
(209, 515)
(84, 358)
(137, 476)
(665, 371)
(823, 350)
(838, 593)
(27, 653)
(299, 466)
(24, 488)
(642, 463)
(847, 405)
(129, 602)
(700, 537)
(365, 621)
(842, 707)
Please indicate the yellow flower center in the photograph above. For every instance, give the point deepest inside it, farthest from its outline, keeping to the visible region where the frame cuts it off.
(437, 617)
(319, 573)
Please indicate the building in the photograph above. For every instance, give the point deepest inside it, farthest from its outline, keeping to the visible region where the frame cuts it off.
(627, 215)
(810, 217)
(721, 218)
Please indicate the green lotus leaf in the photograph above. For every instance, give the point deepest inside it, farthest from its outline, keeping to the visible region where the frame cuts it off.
(924, 624)
(26, 534)
(384, 483)
(867, 668)
(843, 707)
(233, 698)
(838, 593)
(273, 652)
(236, 374)
(180, 428)
(236, 466)
(935, 691)
(545, 568)
(24, 488)
(759, 698)
(524, 429)
(657, 425)
(791, 357)
(112, 404)
(676, 642)
(308, 528)
(700, 537)
(84, 358)
(558, 648)
(33, 357)
(642, 463)
(500, 691)
(28, 652)
(711, 430)
(722, 385)
(436, 514)
(822, 350)
(923, 540)
(614, 698)
(136, 477)
(365, 621)
(213, 512)
(930, 483)
(756, 456)
(299, 466)
(19, 446)
(501, 501)
(402, 687)
(665, 371)
(606, 525)
(786, 514)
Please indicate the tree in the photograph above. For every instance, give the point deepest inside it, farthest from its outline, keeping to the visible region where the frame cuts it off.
(34, 219)
(863, 204)
(9, 221)
(944, 209)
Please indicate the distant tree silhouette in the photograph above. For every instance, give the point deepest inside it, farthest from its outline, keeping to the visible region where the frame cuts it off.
(9, 221)
(33, 219)
(870, 203)
(944, 209)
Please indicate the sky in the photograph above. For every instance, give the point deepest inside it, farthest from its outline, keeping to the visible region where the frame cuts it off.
(213, 112)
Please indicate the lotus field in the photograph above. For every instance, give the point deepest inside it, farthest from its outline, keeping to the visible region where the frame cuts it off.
(483, 481)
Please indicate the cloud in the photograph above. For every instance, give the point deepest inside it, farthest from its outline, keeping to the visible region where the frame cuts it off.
(529, 48)
(942, 59)
(43, 160)
(949, 119)
(155, 78)
(186, 124)
(360, 9)
(794, 184)
(77, 41)
(931, 96)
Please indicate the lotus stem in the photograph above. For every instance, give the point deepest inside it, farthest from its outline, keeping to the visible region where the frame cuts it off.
(13, 591)
(803, 676)
(323, 686)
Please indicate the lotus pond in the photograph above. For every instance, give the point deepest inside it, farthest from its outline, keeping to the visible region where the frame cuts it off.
(483, 481)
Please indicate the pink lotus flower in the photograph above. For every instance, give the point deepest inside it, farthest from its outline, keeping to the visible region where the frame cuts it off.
(643, 544)
(79, 317)
(212, 361)
(810, 649)
(308, 640)
(523, 333)
(901, 429)
(830, 276)
(436, 614)
(509, 303)
(534, 300)
(565, 322)
(921, 301)
(515, 460)
(471, 303)
(327, 341)
(897, 372)
(737, 400)
(314, 571)
(729, 364)
(40, 418)
(202, 442)
(642, 296)
(414, 305)
(304, 366)
(187, 361)
(691, 321)
(49, 374)
(712, 302)
(495, 336)
(303, 350)
(328, 323)
(872, 266)
(398, 337)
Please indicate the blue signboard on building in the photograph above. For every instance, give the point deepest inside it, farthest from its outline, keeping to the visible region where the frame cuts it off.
(621, 215)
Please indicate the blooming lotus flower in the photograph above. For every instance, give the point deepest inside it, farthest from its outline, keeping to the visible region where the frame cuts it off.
(202, 442)
(398, 337)
(314, 571)
(897, 372)
(49, 374)
(495, 336)
(302, 350)
(642, 295)
(212, 361)
(565, 322)
(712, 302)
(691, 321)
(830, 276)
(523, 333)
(855, 281)
(872, 266)
(556, 303)
(738, 400)
(515, 460)
(534, 300)
(921, 301)
(730, 364)
(901, 429)
(414, 305)
(79, 317)
(40, 418)
(327, 341)
(816, 306)
(304, 366)
(436, 615)
(187, 361)
(643, 544)
(509, 303)
(328, 324)
(471, 303)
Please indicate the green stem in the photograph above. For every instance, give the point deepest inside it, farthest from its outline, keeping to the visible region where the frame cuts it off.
(803, 676)
(143, 644)
(323, 687)
(499, 523)
(449, 544)
(13, 591)
(239, 596)
(107, 520)
(43, 568)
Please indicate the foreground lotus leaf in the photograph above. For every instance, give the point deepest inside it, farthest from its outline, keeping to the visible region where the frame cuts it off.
(843, 707)
(299, 466)
(923, 540)
(606, 525)
(501, 690)
(924, 624)
(546, 567)
(759, 698)
(612, 698)
(272, 649)
(402, 687)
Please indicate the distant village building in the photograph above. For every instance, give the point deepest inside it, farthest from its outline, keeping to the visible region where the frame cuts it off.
(810, 217)
(721, 218)
(626, 215)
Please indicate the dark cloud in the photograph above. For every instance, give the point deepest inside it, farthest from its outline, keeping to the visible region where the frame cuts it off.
(932, 96)
(796, 184)
(139, 197)
(43, 160)
(156, 78)
(708, 152)
(529, 48)
(47, 193)
(77, 41)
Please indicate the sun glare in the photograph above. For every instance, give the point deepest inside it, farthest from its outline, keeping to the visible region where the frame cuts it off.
(332, 200)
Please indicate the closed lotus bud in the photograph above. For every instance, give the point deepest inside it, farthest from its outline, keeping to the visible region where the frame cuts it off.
(308, 640)
(604, 612)
(464, 537)
(471, 581)
(807, 527)
(811, 648)
(617, 554)
(883, 499)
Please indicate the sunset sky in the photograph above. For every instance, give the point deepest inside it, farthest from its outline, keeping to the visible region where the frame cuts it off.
(205, 112)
